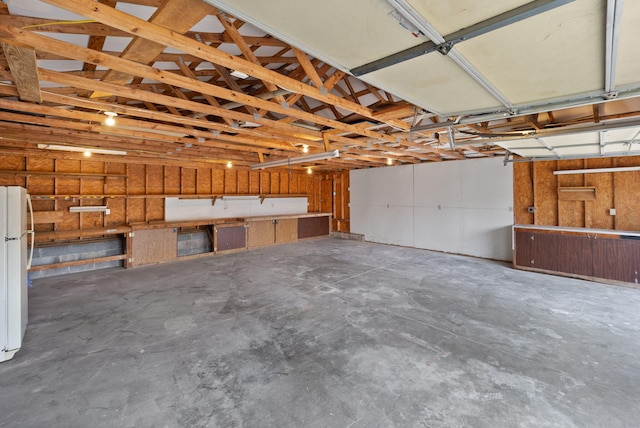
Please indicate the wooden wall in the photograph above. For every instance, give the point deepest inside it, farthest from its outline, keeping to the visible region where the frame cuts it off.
(134, 192)
(578, 200)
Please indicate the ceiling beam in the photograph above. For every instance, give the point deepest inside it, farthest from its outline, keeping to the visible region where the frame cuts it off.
(175, 15)
(141, 28)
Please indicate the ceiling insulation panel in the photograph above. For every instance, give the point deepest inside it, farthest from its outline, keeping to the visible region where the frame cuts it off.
(583, 144)
(450, 16)
(436, 83)
(345, 34)
(573, 139)
(626, 134)
(549, 56)
(628, 62)
(556, 55)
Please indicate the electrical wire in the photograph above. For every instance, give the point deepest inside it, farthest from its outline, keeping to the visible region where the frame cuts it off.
(46, 24)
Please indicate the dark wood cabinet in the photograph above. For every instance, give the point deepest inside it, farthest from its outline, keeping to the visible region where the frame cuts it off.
(599, 255)
(229, 238)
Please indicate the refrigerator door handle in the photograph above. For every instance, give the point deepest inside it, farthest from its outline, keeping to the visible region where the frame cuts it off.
(31, 232)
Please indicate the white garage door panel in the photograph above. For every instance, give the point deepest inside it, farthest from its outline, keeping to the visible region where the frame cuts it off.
(438, 229)
(437, 184)
(460, 207)
(487, 233)
(392, 225)
(486, 183)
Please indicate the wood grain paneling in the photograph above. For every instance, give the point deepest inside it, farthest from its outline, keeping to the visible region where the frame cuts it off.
(286, 230)
(230, 183)
(523, 192)
(230, 238)
(545, 193)
(618, 190)
(135, 191)
(617, 259)
(154, 246)
(261, 233)
(627, 199)
(309, 227)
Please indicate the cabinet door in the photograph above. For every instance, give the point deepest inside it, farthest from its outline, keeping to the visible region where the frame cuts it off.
(154, 246)
(287, 230)
(261, 233)
(230, 238)
(617, 259)
(309, 227)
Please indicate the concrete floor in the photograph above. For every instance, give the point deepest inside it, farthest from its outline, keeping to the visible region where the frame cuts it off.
(326, 333)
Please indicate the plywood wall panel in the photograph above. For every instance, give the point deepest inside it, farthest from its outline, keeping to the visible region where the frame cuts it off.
(545, 193)
(172, 180)
(230, 181)
(40, 164)
(155, 180)
(627, 200)
(254, 182)
(117, 216)
(597, 214)
(285, 179)
(188, 181)
(136, 210)
(155, 209)
(16, 162)
(136, 179)
(275, 183)
(523, 192)
(265, 182)
(217, 180)
(203, 184)
(41, 185)
(243, 182)
(70, 221)
(139, 180)
(571, 213)
(90, 220)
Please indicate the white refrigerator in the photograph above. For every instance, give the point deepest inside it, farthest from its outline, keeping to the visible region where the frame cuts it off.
(15, 205)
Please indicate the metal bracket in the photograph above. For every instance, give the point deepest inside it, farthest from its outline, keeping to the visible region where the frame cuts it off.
(445, 47)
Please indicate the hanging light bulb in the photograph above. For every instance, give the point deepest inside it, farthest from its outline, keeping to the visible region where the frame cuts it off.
(309, 170)
(229, 164)
(305, 148)
(87, 153)
(110, 120)
(389, 161)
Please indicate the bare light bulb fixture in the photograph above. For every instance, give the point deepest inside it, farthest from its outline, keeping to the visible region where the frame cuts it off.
(305, 148)
(229, 164)
(389, 161)
(110, 120)
(309, 171)
(87, 153)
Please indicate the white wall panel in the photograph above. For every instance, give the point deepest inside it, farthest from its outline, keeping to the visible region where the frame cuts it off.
(458, 207)
(177, 209)
(439, 229)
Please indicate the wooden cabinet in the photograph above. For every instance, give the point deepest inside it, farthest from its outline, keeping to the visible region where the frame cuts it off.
(311, 227)
(230, 237)
(261, 233)
(158, 242)
(591, 254)
(274, 231)
(153, 246)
